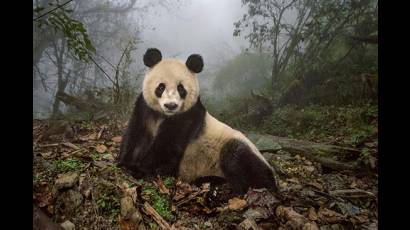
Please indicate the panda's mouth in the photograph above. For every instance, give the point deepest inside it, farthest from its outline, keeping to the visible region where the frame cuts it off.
(170, 112)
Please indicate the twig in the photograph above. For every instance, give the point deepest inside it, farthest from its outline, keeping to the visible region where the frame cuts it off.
(352, 193)
(100, 133)
(149, 210)
(48, 145)
(71, 145)
(35, 19)
(327, 195)
(191, 196)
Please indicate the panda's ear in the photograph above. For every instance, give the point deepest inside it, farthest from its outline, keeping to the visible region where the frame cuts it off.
(195, 63)
(152, 56)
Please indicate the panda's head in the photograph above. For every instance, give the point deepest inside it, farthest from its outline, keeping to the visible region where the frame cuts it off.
(170, 86)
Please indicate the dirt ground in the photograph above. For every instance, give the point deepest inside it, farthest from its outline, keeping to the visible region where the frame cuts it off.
(76, 182)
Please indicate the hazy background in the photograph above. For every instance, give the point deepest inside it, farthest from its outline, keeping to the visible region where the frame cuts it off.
(270, 66)
(177, 28)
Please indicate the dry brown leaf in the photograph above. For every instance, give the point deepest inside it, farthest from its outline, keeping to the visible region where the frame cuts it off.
(101, 148)
(316, 185)
(92, 136)
(310, 226)
(160, 184)
(311, 214)
(360, 218)
(46, 154)
(126, 224)
(293, 219)
(117, 139)
(236, 204)
(330, 216)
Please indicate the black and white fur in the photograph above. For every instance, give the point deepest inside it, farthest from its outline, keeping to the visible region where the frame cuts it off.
(171, 133)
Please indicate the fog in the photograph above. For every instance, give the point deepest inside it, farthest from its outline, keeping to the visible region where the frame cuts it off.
(262, 55)
(177, 28)
(203, 27)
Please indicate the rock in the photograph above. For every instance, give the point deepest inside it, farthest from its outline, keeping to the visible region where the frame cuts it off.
(69, 201)
(127, 207)
(66, 180)
(248, 224)
(236, 204)
(67, 225)
(142, 227)
(136, 217)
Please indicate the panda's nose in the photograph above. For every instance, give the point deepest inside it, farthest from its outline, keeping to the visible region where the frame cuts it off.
(171, 106)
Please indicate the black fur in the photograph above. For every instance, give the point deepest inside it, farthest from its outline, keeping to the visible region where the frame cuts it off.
(182, 91)
(243, 169)
(152, 56)
(145, 155)
(195, 63)
(160, 89)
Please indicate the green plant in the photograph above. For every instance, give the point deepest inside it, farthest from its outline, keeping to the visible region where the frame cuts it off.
(160, 202)
(69, 164)
(95, 156)
(109, 203)
(168, 182)
(73, 30)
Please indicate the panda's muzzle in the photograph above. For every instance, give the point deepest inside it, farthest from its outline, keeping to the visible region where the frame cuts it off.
(171, 106)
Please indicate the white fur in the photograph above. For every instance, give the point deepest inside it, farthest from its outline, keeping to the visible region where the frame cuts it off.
(202, 156)
(171, 72)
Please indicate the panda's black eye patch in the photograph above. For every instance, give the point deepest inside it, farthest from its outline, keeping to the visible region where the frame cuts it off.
(182, 91)
(160, 89)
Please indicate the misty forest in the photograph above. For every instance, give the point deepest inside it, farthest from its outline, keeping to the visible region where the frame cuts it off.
(298, 77)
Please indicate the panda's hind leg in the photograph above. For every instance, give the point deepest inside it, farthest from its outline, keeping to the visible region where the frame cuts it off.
(243, 169)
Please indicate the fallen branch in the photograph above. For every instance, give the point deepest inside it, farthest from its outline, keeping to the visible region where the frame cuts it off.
(205, 188)
(310, 150)
(352, 193)
(48, 145)
(149, 210)
(80, 104)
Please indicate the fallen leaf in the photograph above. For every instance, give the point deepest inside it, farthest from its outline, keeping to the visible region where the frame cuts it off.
(360, 218)
(310, 226)
(101, 148)
(46, 154)
(330, 216)
(236, 204)
(311, 214)
(161, 186)
(117, 139)
(248, 224)
(92, 136)
(316, 185)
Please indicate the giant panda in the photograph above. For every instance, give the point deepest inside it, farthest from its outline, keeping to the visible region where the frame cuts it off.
(171, 133)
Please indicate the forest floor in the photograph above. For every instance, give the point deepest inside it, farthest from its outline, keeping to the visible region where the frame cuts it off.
(75, 181)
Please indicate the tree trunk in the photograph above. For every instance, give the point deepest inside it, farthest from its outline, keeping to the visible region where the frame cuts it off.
(61, 83)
